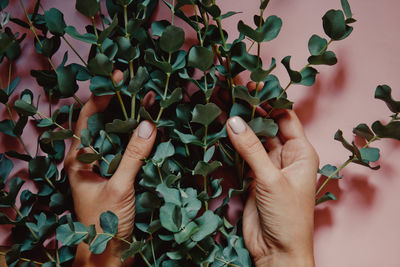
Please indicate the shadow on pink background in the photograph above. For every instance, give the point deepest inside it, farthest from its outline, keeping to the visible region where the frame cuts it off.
(362, 227)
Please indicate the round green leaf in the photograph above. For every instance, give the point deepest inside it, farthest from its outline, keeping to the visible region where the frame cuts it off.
(88, 7)
(55, 21)
(317, 45)
(66, 78)
(100, 65)
(327, 58)
(200, 57)
(109, 222)
(334, 24)
(205, 114)
(172, 39)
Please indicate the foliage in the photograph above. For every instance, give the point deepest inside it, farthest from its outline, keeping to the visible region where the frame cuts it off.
(173, 223)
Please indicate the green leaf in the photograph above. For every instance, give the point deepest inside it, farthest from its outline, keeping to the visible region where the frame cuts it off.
(149, 200)
(86, 37)
(391, 130)
(208, 223)
(242, 92)
(50, 136)
(295, 76)
(49, 45)
(6, 166)
(133, 249)
(86, 138)
(268, 31)
(346, 8)
(200, 57)
(7, 127)
(174, 97)
(209, 154)
(24, 108)
(281, 103)
(205, 114)
(125, 49)
(351, 147)
(384, 93)
(164, 151)
(327, 58)
(216, 188)
(171, 217)
(259, 75)
(240, 56)
(264, 127)
(88, 8)
(100, 244)
(114, 163)
(170, 195)
(121, 126)
(100, 85)
(106, 32)
(334, 24)
(88, 157)
(3, 97)
(264, 4)
(55, 21)
(363, 131)
(329, 171)
(308, 76)
(186, 232)
(369, 154)
(317, 45)
(328, 196)
(141, 77)
(66, 78)
(188, 138)
(158, 27)
(172, 39)
(204, 168)
(150, 58)
(100, 65)
(109, 222)
(70, 237)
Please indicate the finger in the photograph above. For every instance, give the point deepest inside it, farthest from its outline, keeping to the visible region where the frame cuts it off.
(139, 148)
(290, 126)
(252, 151)
(274, 147)
(253, 86)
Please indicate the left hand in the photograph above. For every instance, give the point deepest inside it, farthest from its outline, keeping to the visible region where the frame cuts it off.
(94, 194)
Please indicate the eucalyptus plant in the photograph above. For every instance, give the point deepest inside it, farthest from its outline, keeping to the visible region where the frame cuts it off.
(174, 225)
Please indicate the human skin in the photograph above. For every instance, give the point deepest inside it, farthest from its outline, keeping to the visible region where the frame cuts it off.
(278, 215)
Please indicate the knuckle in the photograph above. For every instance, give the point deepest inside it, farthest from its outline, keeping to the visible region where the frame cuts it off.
(253, 146)
(134, 151)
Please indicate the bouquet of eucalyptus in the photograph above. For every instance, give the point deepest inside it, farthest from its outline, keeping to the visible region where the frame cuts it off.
(174, 225)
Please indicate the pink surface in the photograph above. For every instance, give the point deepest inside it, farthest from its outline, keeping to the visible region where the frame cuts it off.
(361, 228)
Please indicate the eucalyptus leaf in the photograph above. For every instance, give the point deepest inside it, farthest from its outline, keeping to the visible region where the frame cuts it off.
(205, 114)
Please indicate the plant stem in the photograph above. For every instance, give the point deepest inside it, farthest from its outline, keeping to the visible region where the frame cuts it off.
(122, 105)
(24, 259)
(159, 173)
(165, 94)
(74, 135)
(96, 33)
(347, 162)
(126, 21)
(151, 240)
(22, 216)
(74, 50)
(32, 28)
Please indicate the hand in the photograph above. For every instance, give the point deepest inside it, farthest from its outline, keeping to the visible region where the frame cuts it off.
(94, 194)
(279, 213)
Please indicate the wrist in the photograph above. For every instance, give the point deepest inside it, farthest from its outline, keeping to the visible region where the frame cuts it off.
(284, 259)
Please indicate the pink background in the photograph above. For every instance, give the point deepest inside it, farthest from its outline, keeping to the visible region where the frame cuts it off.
(362, 227)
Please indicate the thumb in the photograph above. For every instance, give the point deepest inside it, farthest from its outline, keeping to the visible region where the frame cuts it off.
(252, 151)
(139, 148)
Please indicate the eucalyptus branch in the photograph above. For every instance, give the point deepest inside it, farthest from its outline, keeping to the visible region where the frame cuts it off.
(32, 28)
(74, 135)
(74, 50)
(165, 92)
(24, 259)
(347, 162)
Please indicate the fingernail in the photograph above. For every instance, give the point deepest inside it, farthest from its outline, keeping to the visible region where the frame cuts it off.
(237, 125)
(145, 129)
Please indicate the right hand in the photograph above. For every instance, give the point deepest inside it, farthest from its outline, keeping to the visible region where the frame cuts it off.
(279, 213)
